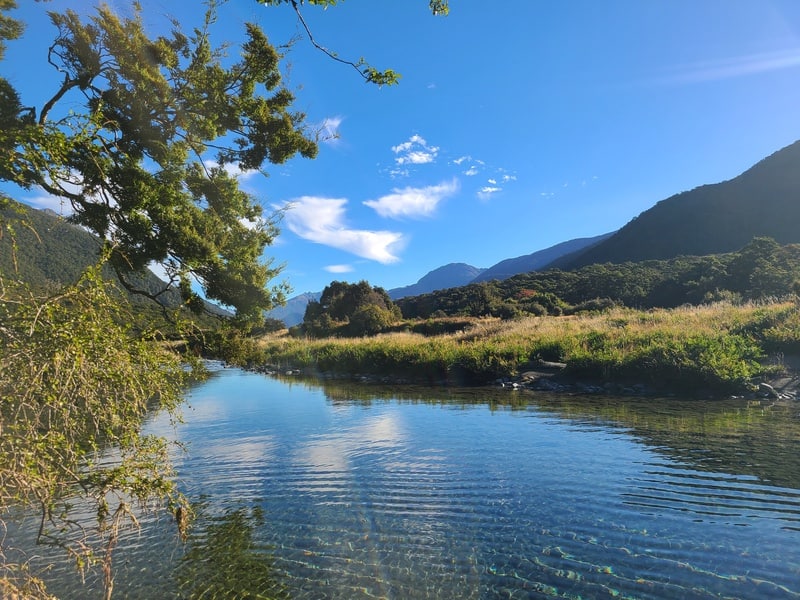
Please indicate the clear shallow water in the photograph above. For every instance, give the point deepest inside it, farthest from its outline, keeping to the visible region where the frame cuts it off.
(352, 492)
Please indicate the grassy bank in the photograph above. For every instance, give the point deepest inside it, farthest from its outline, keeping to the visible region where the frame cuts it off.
(720, 347)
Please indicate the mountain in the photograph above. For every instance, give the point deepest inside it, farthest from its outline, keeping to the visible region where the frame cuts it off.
(536, 261)
(452, 275)
(764, 201)
(49, 251)
(46, 251)
(294, 310)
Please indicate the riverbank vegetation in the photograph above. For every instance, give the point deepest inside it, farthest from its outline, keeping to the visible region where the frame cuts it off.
(719, 348)
(711, 324)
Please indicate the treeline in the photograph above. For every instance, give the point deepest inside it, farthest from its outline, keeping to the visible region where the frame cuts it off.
(762, 269)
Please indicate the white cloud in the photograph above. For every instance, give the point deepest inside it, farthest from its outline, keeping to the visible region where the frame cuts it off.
(492, 181)
(507, 178)
(738, 66)
(395, 173)
(472, 171)
(416, 158)
(339, 268)
(486, 192)
(461, 159)
(329, 129)
(413, 202)
(415, 151)
(232, 170)
(321, 220)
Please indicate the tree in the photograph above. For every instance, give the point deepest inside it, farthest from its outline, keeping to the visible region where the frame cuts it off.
(74, 382)
(146, 164)
(367, 71)
(140, 136)
(350, 308)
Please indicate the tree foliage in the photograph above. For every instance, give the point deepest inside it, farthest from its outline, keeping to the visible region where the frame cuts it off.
(146, 164)
(351, 309)
(75, 383)
(367, 71)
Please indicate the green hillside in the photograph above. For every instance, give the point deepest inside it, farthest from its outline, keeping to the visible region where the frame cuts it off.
(42, 248)
(47, 251)
(762, 269)
(723, 217)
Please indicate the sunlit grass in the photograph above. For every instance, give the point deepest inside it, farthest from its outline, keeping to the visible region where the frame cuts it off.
(721, 346)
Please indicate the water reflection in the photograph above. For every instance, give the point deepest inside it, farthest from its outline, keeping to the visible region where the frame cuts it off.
(225, 560)
(349, 491)
(330, 458)
(751, 438)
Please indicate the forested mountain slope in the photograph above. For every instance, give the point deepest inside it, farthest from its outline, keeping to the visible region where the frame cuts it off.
(722, 217)
(46, 251)
(762, 269)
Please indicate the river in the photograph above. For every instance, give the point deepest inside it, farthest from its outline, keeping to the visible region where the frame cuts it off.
(347, 491)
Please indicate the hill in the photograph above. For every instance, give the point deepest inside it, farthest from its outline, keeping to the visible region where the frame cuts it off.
(538, 260)
(760, 270)
(46, 252)
(49, 251)
(721, 217)
(452, 275)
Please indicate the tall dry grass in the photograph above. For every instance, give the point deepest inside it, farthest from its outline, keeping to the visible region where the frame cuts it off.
(717, 346)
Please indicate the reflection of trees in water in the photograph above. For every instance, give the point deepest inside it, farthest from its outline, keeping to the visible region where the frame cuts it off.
(224, 560)
(757, 438)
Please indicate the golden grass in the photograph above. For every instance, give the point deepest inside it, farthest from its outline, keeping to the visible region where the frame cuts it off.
(717, 343)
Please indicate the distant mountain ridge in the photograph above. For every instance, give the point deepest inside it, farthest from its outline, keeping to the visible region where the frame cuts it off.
(294, 310)
(451, 275)
(533, 262)
(710, 219)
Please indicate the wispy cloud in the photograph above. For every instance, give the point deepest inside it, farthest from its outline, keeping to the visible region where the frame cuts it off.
(232, 170)
(473, 165)
(487, 191)
(729, 68)
(339, 268)
(329, 130)
(495, 183)
(321, 220)
(413, 202)
(415, 151)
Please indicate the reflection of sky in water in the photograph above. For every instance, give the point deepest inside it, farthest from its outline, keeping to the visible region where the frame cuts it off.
(333, 452)
(416, 500)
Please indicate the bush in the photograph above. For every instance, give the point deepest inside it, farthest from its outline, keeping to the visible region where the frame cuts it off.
(370, 319)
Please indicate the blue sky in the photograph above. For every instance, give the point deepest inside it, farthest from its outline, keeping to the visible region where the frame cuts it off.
(516, 125)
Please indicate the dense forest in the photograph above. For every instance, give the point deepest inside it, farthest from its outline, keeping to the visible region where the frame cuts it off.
(762, 269)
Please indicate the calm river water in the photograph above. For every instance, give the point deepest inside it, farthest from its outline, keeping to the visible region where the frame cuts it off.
(351, 492)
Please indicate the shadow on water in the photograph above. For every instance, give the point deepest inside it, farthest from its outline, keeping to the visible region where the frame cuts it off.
(224, 558)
